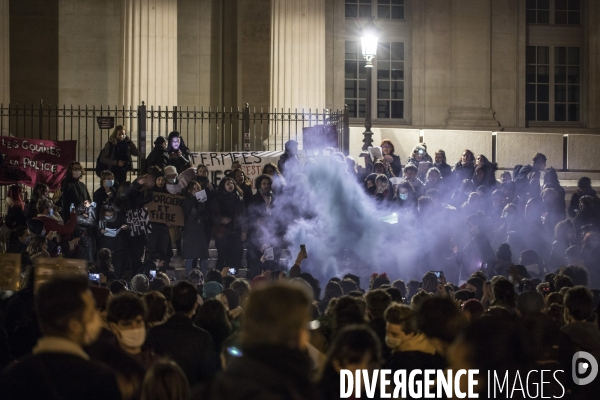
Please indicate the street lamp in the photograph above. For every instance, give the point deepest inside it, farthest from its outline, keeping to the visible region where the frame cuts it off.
(369, 39)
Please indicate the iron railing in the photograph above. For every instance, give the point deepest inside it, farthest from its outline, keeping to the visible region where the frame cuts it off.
(202, 128)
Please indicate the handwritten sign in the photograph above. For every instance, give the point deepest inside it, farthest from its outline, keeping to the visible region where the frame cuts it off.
(166, 208)
(138, 221)
(28, 161)
(219, 164)
(10, 270)
(48, 268)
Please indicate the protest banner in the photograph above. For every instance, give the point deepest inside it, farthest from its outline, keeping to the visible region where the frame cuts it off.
(10, 271)
(28, 161)
(219, 164)
(138, 221)
(166, 208)
(47, 268)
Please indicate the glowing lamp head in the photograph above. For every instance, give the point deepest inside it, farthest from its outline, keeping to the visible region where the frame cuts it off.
(369, 39)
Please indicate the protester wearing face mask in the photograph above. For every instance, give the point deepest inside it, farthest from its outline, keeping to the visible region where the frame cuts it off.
(59, 367)
(74, 192)
(194, 242)
(117, 153)
(159, 156)
(126, 317)
(406, 198)
(411, 349)
(173, 183)
(107, 192)
(112, 230)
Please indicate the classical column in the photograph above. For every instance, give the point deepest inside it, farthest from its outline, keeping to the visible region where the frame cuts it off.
(4, 53)
(471, 65)
(149, 53)
(298, 54)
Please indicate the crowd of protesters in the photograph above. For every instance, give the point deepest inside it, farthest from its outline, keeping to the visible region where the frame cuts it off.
(473, 273)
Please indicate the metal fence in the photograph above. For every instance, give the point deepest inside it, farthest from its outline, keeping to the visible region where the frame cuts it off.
(203, 129)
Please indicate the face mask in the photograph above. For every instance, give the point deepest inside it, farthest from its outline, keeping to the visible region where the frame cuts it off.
(92, 330)
(27, 240)
(202, 179)
(108, 217)
(403, 196)
(109, 183)
(51, 213)
(392, 343)
(133, 337)
(266, 192)
(76, 174)
(171, 180)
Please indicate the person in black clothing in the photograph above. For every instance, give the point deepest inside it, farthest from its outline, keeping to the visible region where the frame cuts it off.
(107, 192)
(84, 230)
(227, 211)
(159, 239)
(411, 349)
(289, 162)
(440, 163)
(244, 183)
(355, 347)
(584, 188)
(464, 168)
(377, 302)
(194, 241)
(274, 337)
(387, 148)
(39, 190)
(19, 239)
(73, 190)
(179, 154)
(191, 347)
(159, 156)
(477, 251)
(212, 316)
(117, 154)
(112, 229)
(15, 215)
(59, 368)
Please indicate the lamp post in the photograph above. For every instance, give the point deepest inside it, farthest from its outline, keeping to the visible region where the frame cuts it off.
(369, 39)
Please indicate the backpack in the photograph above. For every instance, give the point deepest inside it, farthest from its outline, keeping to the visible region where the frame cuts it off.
(99, 165)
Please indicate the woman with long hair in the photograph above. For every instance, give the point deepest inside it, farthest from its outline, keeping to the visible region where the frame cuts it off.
(213, 317)
(279, 182)
(40, 190)
(229, 227)
(194, 242)
(244, 183)
(74, 191)
(159, 239)
(117, 154)
(179, 155)
(388, 150)
(464, 168)
(15, 205)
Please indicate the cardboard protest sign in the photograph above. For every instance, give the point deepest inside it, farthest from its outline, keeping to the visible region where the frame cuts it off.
(47, 268)
(10, 271)
(28, 161)
(138, 221)
(219, 164)
(166, 208)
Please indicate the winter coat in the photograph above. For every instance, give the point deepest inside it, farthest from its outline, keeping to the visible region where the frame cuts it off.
(574, 204)
(462, 171)
(73, 192)
(193, 242)
(158, 157)
(116, 243)
(116, 151)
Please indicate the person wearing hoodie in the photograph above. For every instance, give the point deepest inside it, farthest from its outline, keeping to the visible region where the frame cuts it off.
(584, 188)
(579, 335)
(179, 154)
(289, 162)
(159, 156)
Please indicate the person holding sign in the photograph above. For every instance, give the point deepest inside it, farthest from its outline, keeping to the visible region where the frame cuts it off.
(111, 235)
(229, 229)
(159, 239)
(194, 242)
(116, 154)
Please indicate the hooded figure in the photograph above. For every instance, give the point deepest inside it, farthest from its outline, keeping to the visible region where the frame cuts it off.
(289, 162)
(159, 156)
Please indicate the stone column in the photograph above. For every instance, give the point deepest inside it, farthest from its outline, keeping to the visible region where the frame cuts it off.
(4, 53)
(149, 53)
(471, 105)
(298, 54)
